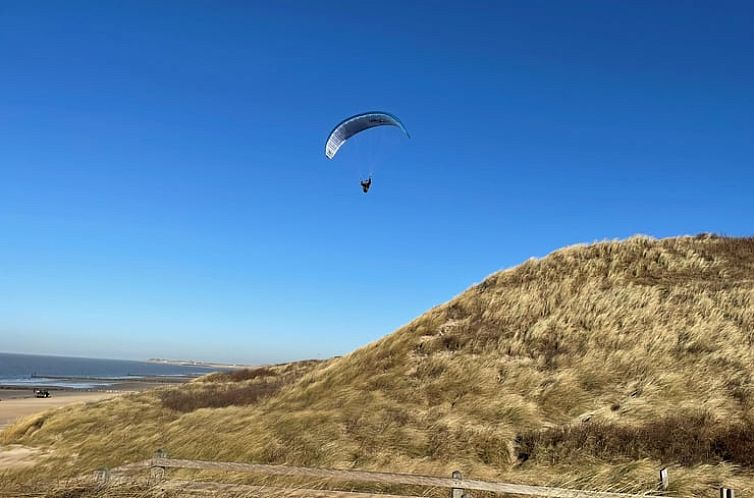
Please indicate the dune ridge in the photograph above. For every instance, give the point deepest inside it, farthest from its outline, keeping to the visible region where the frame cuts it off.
(591, 367)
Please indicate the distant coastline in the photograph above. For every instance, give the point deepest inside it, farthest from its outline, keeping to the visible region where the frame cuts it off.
(202, 364)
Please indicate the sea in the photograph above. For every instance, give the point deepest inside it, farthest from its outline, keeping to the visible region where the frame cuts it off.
(82, 373)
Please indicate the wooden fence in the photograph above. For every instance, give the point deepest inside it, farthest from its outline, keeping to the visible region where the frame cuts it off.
(160, 464)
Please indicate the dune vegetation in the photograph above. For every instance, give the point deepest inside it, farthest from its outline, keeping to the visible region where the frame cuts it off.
(592, 367)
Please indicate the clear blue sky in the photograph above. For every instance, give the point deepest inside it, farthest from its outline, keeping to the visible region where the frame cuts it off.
(163, 188)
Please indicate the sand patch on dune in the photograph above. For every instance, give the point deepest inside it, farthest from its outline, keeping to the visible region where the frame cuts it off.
(16, 455)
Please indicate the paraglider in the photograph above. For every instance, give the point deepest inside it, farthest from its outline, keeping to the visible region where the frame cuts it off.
(354, 125)
(365, 184)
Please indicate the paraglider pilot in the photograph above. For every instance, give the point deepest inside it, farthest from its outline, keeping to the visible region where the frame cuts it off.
(365, 184)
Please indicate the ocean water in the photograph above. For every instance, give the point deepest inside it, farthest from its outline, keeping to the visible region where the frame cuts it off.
(39, 371)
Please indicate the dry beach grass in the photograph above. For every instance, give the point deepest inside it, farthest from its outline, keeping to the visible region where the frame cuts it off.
(21, 406)
(591, 367)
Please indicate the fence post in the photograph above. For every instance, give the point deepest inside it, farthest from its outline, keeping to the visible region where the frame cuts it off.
(457, 492)
(726, 493)
(664, 479)
(102, 476)
(157, 468)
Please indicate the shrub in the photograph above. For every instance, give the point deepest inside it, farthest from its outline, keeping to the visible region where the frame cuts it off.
(188, 400)
(687, 439)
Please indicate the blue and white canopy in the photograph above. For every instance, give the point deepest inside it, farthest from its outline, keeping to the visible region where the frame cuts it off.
(356, 124)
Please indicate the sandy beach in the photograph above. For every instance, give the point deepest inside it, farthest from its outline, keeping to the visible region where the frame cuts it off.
(15, 404)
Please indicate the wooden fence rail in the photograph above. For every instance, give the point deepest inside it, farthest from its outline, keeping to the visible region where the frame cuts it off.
(458, 486)
(160, 463)
(386, 478)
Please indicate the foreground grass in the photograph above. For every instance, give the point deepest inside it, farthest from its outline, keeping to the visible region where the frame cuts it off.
(594, 366)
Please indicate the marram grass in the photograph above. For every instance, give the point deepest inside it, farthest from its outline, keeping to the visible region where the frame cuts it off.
(592, 367)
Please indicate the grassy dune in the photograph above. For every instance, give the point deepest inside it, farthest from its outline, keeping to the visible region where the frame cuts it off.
(593, 366)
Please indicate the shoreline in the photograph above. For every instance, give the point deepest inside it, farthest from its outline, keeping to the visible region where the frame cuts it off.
(18, 401)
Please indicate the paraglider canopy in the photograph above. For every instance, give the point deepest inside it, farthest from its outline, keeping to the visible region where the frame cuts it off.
(356, 124)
